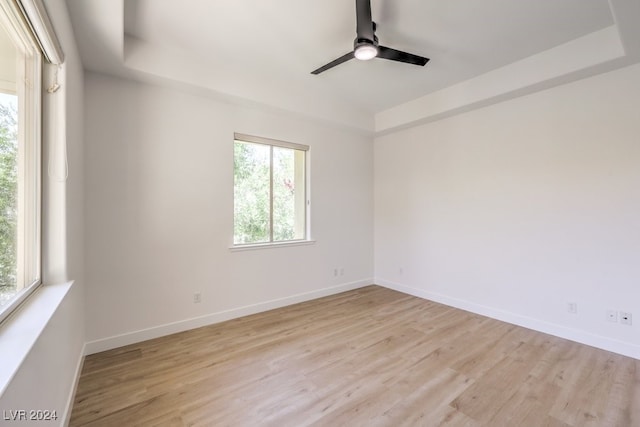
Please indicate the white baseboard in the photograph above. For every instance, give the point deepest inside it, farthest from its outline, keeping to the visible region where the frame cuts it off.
(72, 393)
(221, 316)
(598, 341)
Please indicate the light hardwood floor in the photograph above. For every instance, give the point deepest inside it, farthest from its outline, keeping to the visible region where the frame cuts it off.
(371, 356)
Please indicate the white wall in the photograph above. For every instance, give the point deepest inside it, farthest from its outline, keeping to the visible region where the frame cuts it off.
(516, 209)
(47, 376)
(159, 212)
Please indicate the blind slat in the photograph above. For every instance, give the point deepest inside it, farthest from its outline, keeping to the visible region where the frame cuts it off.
(36, 15)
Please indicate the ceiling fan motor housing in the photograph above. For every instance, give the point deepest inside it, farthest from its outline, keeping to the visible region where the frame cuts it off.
(360, 41)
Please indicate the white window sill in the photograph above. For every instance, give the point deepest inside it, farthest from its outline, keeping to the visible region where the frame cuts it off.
(20, 331)
(240, 248)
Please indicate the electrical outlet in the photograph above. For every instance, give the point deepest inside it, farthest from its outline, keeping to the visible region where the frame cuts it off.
(612, 316)
(625, 318)
(342, 271)
(197, 298)
(401, 271)
(335, 272)
(572, 307)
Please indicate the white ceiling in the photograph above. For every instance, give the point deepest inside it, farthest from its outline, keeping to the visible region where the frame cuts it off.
(264, 51)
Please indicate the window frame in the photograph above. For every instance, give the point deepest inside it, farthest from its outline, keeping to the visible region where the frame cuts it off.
(29, 75)
(241, 137)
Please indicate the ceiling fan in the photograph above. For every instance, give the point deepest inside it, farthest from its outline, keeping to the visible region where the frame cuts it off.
(366, 46)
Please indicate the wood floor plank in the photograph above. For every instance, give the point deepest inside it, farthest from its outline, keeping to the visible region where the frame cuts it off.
(426, 399)
(371, 357)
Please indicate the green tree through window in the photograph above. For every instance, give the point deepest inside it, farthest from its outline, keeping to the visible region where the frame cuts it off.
(8, 196)
(269, 192)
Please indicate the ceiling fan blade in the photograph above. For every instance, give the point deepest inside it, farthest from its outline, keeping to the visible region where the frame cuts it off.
(397, 55)
(364, 23)
(343, 58)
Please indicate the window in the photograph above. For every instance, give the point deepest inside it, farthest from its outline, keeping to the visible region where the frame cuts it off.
(20, 159)
(270, 191)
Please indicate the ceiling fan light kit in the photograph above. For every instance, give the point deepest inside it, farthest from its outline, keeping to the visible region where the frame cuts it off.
(365, 46)
(365, 51)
